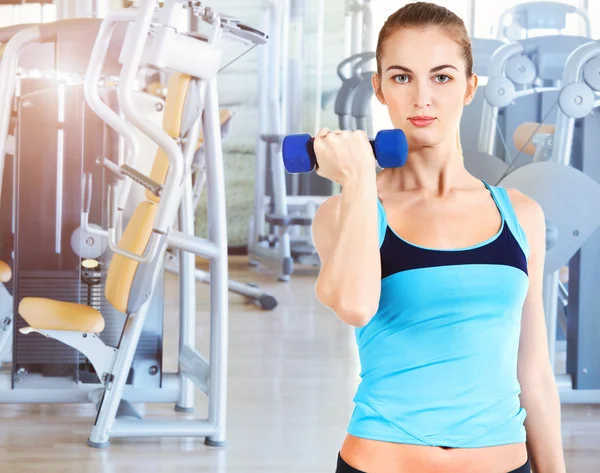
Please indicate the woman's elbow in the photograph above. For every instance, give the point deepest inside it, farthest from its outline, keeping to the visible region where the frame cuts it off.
(355, 316)
(348, 309)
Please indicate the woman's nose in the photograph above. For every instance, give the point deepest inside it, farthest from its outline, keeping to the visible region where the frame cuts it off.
(422, 94)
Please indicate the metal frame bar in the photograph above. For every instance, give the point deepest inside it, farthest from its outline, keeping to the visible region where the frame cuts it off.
(111, 399)
(193, 244)
(92, 97)
(569, 395)
(79, 393)
(132, 58)
(195, 368)
(217, 230)
(8, 79)
(273, 118)
(187, 263)
(242, 289)
(163, 428)
(187, 289)
(489, 114)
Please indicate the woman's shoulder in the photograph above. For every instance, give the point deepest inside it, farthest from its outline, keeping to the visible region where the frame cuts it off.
(523, 204)
(528, 212)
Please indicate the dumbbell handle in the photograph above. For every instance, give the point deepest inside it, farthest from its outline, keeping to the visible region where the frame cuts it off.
(390, 148)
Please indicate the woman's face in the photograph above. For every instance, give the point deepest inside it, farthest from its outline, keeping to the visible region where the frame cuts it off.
(423, 83)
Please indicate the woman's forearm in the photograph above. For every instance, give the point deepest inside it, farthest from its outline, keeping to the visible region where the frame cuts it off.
(350, 280)
(544, 441)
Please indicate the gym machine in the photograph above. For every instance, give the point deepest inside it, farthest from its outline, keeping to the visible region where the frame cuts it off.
(351, 82)
(560, 174)
(249, 37)
(57, 140)
(483, 50)
(6, 246)
(41, 103)
(279, 234)
(358, 28)
(139, 255)
(523, 86)
(572, 222)
(516, 23)
(359, 46)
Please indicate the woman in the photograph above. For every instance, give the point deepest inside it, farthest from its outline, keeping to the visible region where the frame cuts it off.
(441, 276)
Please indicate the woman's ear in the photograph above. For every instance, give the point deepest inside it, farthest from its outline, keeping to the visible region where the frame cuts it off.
(376, 82)
(471, 88)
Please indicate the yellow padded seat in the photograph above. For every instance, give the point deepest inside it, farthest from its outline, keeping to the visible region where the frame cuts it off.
(5, 272)
(46, 314)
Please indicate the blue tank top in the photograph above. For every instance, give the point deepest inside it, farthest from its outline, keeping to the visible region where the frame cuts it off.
(439, 358)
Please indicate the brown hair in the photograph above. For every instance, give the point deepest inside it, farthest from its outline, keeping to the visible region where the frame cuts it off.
(423, 15)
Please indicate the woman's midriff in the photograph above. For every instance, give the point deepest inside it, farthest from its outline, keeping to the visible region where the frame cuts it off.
(373, 456)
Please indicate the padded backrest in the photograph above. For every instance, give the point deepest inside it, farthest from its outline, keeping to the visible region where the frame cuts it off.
(523, 135)
(121, 271)
(5, 272)
(174, 104)
(135, 238)
(177, 90)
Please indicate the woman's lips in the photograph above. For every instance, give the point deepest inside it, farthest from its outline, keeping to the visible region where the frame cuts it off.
(421, 121)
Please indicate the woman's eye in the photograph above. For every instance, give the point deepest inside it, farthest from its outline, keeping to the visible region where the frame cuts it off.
(442, 78)
(401, 78)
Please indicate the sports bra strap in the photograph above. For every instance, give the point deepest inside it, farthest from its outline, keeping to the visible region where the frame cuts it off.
(503, 201)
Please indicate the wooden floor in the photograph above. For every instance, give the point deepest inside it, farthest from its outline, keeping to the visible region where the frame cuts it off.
(292, 376)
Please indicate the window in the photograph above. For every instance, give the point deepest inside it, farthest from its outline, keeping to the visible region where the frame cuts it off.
(487, 15)
(26, 13)
(594, 12)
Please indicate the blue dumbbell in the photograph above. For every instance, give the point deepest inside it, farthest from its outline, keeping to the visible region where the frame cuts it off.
(390, 148)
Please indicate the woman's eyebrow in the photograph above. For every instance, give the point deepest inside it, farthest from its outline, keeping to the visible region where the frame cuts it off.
(434, 69)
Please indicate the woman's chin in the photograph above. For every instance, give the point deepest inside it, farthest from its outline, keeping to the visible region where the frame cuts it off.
(420, 139)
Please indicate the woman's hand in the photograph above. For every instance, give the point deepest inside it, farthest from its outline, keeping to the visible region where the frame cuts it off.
(343, 155)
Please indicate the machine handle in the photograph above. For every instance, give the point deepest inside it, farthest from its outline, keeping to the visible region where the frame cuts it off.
(361, 58)
(143, 180)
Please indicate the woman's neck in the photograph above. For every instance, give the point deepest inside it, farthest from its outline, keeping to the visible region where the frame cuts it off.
(431, 170)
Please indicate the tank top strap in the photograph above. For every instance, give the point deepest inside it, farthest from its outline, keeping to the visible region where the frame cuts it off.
(381, 222)
(510, 217)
